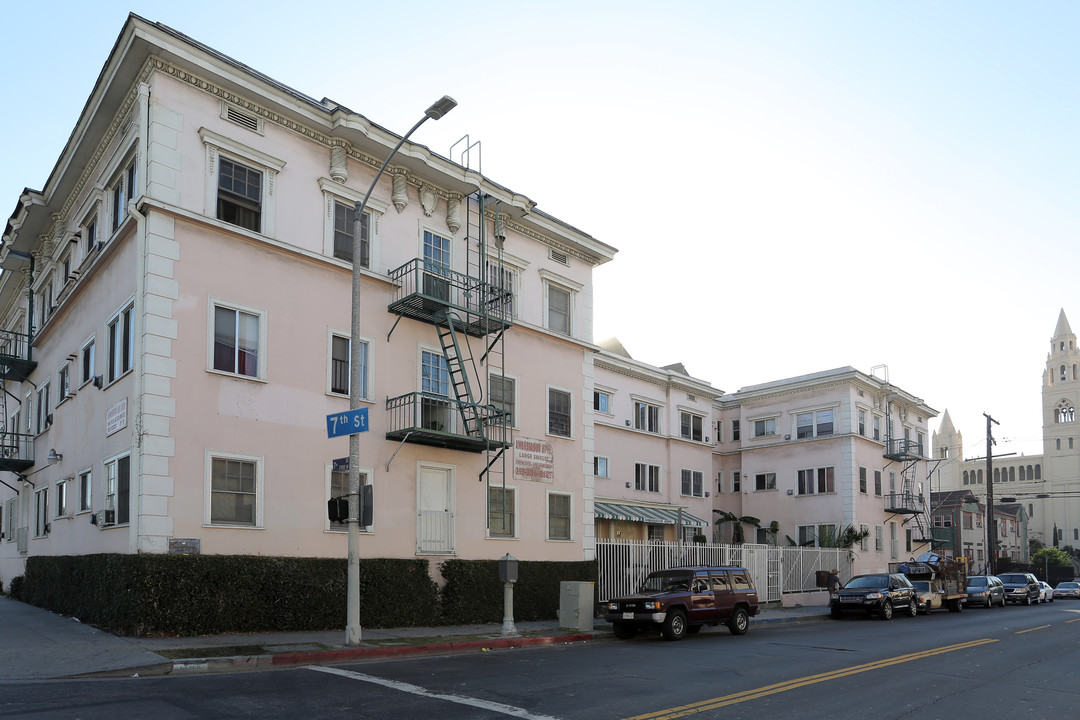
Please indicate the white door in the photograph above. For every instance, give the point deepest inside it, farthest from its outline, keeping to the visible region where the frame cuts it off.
(435, 511)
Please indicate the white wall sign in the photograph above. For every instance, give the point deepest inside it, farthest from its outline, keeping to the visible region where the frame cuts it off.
(116, 418)
(533, 460)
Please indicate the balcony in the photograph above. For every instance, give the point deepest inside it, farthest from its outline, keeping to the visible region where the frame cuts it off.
(14, 356)
(904, 503)
(440, 421)
(16, 451)
(437, 295)
(902, 449)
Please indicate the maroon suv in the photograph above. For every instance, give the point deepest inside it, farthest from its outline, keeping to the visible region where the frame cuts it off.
(681, 600)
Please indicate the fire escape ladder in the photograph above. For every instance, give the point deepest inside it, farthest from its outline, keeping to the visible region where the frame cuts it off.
(456, 364)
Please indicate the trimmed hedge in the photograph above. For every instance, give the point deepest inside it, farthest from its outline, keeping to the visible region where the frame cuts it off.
(473, 593)
(210, 594)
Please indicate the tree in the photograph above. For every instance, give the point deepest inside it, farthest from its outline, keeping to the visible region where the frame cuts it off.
(737, 535)
(1051, 556)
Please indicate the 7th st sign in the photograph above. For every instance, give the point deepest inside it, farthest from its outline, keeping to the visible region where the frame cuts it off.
(347, 423)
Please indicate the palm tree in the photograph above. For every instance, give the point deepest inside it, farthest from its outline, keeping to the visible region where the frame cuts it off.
(737, 535)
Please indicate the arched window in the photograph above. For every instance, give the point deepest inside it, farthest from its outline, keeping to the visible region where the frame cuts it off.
(965, 477)
(997, 474)
(1076, 533)
(1038, 472)
(1012, 474)
(1021, 473)
(1029, 475)
(980, 480)
(1074, 371)
(1031, 511)
(1063, 372)
(1064, 412)
(1062, 344)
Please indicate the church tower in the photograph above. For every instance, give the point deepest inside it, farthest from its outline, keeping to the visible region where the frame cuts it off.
(1061, 437)
(948, 447)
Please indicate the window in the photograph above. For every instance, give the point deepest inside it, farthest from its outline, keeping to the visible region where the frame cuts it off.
(558, 309)
(118, 488)
(559, 412)
(502, 393)
(63, 383)
(815, 535)
(816, 481)
(235, 488)
(62, 498)
(559, 505)
(121, 345)
(877, 427)
(646, 417)
(600, 466)
(84, 491)
(344, 226)
(862, 480)
(602, 402)
(894, 545)
(765, 427)
(864, 543)
(736, 482)
(239, 200)
(879, 538)
(129, 180)
(765, 481)
(340, 359)
(814, 424)
(10, 519)
(238, 340)
(967, 521)
(505, 279)
(862, 423)
(41, 512)
(90, 235)
(87, 361)
(117, 204)
(501, 503)
(647, 477)
(693, 483)
(877, 483)
(734, 429)
(46, 302)
(719, 482)
(44, 409)
(690, 426)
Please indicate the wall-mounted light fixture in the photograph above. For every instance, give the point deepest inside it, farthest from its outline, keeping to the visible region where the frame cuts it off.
(54, 456)
(627, 423)
(628, 483)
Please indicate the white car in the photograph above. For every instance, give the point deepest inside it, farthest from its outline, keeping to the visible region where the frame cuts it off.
(1046, 593)
(1068, 589)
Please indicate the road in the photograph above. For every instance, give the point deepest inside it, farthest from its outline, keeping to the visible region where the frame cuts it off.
(980, 663)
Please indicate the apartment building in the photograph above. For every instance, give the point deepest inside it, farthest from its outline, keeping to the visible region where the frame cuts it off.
(175, 309)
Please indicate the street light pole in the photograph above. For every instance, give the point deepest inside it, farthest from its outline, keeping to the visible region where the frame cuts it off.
(352, 628)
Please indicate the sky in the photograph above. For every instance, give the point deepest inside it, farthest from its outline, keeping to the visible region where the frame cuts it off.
(792, 186)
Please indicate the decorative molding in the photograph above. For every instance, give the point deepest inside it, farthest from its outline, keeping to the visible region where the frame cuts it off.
(429, 198)
(453, 212)
(339, 171)
(400, 195)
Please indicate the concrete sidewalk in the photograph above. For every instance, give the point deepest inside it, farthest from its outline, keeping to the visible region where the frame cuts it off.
(36, 644)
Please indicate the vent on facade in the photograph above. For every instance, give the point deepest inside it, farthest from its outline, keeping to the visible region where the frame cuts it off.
(558, 257)
(249, 121)
(691, 398)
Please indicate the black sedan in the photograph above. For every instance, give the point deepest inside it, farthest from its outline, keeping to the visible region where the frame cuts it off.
(879, 593)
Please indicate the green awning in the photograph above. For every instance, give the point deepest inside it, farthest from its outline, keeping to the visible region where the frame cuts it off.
(668, 515)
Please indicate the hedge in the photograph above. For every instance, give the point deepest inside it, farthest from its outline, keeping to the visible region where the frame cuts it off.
(473, 593)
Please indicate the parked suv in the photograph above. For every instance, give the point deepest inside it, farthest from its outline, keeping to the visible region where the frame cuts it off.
(684, 600)
(985, 590)
(1020, 588)
(878, 593)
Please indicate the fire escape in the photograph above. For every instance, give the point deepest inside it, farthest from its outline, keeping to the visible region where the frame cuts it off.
(909, 502)
(16, 448)
(471, 313)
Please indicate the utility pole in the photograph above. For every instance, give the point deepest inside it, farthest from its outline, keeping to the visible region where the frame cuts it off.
(991, 523)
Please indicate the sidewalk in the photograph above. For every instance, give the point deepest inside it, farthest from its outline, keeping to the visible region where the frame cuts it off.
(36, 644)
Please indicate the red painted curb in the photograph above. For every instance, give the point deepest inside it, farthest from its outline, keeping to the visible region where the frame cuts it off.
(344, 654)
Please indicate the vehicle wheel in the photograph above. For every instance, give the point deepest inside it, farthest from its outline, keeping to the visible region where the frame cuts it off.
(1002, 601)
(694, 629)
(739, 622)
(913, 609)
(886, 610)
(955, 606)
(836, 612)
(624, 631)
(674, 625)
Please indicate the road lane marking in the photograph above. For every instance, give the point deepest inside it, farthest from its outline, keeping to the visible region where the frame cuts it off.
(714, 703)
(417, 690)
(1041, 627)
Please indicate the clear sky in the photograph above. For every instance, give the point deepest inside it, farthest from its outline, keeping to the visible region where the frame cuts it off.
(792, 186)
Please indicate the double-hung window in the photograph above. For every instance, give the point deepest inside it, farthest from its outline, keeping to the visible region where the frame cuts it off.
(44, 409)
(240, 183)
(558, 309)
(87, 362)
(118, 488)
(600, 466)
(814, 424)
(238, 340)
(690, 426)
(501, 511)
(765, 481)
(862, 480)
(345, 231)
(339, 370)
(62, 498)
(646, 417)
(602, 401)
(239, 200)
(765, 427)
(816, 481)
(816, 535)
(736, 481)
(647, 477)
(559, 510)
(504, 282)
(502, 393)
(41, 512)
(121, 342)
(877, 483)
(235, 491)
(85, 489)
(559, 413)
(693, 483)
(63, 383)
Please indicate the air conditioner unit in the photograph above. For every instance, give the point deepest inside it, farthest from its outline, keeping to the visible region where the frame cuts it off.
(98, 380)
(108, 517)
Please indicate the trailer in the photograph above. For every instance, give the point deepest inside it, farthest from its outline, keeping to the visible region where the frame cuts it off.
(941, 582)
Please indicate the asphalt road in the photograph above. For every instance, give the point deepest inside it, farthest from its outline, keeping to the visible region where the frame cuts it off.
(976, 664)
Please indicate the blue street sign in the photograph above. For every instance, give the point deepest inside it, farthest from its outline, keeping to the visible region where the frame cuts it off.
(347, 423)
(341, 465)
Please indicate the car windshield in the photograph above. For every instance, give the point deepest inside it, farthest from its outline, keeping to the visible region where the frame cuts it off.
(977, 582)
(923, 585)
(1069, 585)
(1013, 578)
(667, 582)
(868, 581)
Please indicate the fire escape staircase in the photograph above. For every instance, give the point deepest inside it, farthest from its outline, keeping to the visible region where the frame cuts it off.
(909, 502)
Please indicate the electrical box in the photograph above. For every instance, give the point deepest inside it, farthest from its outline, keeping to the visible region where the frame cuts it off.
(576, 605)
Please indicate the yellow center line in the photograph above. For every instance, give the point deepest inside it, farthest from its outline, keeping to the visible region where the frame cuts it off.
(1069, 621)
(712, 704)
(1041, 627)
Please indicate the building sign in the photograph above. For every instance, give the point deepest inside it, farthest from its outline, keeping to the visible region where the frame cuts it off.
(533, 460)
(116, 418)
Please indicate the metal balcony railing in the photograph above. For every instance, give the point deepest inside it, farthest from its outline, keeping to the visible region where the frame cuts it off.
(14, 355)
(904, 503)
(425, 291)
(903, 449)
(16, 451)
(430, 419)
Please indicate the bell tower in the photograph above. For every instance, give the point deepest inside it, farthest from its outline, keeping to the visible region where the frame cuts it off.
(1061, 433)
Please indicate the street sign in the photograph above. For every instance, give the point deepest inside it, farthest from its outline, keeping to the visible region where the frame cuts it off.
(347, 423)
